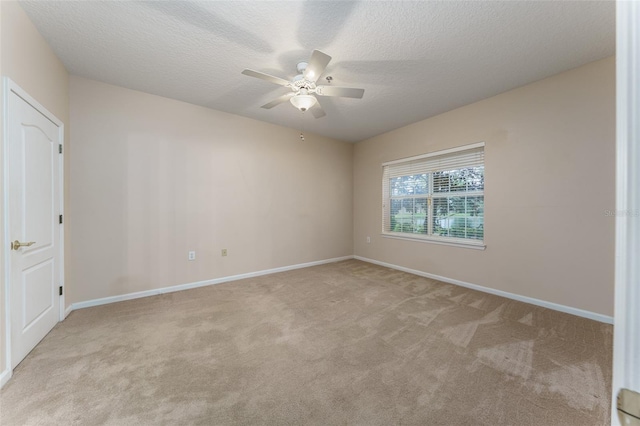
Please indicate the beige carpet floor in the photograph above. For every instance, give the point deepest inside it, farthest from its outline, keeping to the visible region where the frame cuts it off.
(348, 343)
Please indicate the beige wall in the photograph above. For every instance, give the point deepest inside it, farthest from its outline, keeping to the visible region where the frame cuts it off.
(550, 158)
(152, 178)
(27, 59)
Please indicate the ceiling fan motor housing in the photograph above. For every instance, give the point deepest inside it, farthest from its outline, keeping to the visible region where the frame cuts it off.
(299, 82)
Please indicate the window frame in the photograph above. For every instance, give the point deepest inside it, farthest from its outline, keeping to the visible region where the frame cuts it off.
(430, 196)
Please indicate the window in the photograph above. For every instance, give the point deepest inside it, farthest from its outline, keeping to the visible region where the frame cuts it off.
(436, 197)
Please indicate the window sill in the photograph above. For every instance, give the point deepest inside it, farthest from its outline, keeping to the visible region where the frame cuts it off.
(475, 244)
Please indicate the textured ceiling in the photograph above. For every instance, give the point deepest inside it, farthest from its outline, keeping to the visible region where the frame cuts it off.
(414, 59)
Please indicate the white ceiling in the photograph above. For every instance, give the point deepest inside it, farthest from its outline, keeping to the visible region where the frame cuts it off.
(414, 59)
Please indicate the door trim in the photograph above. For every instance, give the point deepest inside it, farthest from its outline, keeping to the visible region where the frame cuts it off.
(8, 87)
(626, 344)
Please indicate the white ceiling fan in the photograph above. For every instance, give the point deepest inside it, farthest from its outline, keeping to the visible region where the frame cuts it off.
(303, 86)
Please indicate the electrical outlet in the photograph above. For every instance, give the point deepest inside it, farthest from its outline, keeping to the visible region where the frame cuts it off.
(192, 255)
(368, 240)
(224, 252)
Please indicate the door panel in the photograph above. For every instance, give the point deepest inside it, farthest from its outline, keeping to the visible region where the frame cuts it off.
(34, 204)
(38, 187)
(35, 290)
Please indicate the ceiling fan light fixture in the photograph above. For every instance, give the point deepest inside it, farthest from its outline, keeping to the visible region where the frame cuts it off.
(303, 102)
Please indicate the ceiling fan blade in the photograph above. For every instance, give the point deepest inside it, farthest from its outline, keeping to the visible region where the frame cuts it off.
(263, 76)
(343, 92)
(316, 65)
(278, 101)
(317, 111)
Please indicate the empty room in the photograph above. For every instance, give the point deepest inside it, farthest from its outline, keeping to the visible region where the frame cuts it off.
(317, 213)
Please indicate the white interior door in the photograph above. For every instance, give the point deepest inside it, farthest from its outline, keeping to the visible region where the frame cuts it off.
(33, 186)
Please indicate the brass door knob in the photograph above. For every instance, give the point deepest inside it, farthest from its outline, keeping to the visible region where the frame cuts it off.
(17, 244)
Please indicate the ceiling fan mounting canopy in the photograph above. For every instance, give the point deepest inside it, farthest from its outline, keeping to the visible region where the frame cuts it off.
(303, 86)
(302, 66)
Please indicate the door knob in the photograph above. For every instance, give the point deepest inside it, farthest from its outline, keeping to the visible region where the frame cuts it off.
(17, 244)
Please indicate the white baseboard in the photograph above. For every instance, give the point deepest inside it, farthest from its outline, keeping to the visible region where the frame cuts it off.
(180, 287)
(555, 306)
(5, 376)
(68, 310)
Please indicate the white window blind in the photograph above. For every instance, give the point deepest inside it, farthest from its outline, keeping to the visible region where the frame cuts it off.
(436, 196)
(435, 162)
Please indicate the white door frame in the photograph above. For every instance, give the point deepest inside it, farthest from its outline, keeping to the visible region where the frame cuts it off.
(626, 341)
(10, 87)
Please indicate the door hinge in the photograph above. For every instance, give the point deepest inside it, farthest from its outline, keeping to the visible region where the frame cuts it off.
(60, 219)
(628, 403)
(60, 290)
(59, 148)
